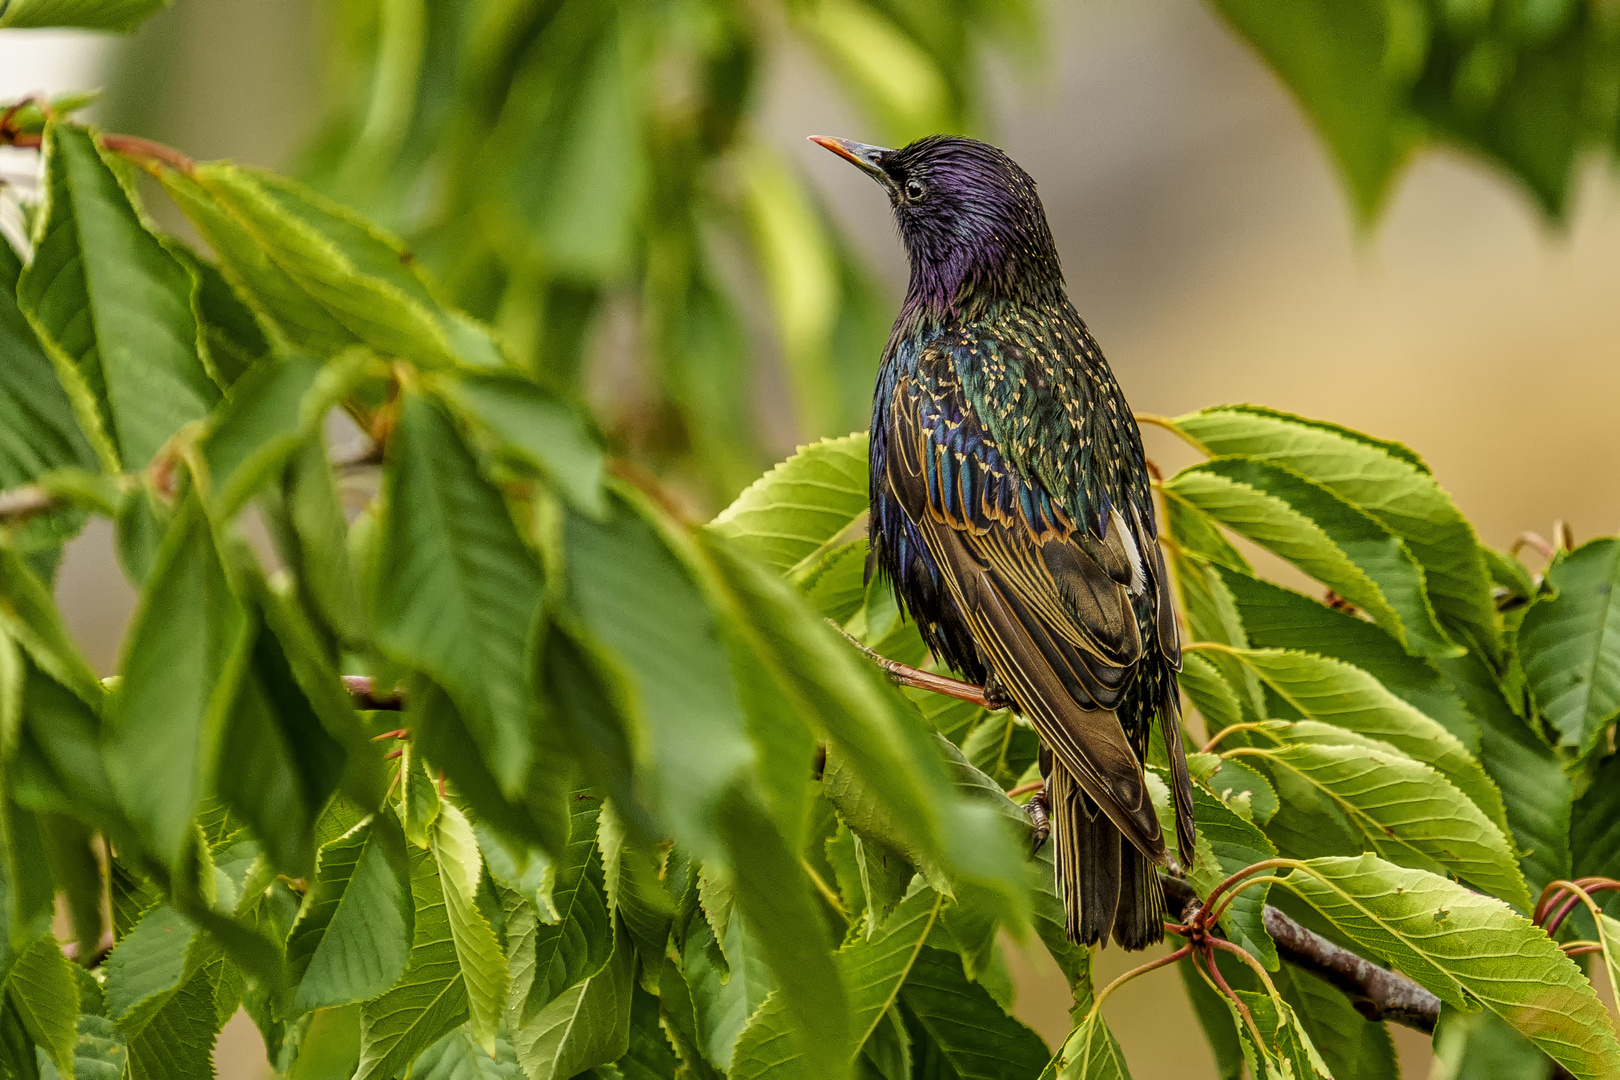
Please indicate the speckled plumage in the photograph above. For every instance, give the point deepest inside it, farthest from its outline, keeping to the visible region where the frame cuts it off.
(1012, 512)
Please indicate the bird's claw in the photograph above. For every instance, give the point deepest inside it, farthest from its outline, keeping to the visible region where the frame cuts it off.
(1038, 811)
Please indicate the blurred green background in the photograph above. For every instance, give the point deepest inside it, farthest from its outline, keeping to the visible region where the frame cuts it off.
(625, 192)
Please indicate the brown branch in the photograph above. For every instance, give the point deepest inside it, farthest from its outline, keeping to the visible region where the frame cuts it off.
(1376, 992)
(365, 695)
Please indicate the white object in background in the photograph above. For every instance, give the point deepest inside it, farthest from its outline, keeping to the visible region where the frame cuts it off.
(47, 62)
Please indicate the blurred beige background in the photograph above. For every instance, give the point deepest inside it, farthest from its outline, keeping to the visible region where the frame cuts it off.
(1206, 242)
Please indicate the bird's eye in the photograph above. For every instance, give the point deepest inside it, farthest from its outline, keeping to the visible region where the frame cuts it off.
(914, 189)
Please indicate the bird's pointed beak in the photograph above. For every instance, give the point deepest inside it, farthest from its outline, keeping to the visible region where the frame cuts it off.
(866, 158)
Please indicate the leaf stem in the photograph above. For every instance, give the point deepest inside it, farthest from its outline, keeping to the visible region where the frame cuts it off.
(1232, 729)
(1168, 958)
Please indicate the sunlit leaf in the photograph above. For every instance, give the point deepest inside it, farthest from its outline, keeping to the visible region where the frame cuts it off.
(352, 940)
(794, 515)
(1570, 644)
(1468, 950)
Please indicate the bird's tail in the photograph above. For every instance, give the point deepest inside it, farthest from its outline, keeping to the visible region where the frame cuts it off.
(1107, 885)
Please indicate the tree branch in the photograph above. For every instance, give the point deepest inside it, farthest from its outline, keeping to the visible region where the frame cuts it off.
(1376, 992)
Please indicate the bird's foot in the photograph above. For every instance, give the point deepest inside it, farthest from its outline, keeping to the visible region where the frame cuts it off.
(995, 693)
(1038, 810)
(906, 675)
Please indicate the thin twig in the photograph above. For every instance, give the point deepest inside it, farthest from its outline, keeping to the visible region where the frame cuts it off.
(1376, 993)
(366, 696)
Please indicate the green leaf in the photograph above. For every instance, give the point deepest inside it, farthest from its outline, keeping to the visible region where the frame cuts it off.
(455, 593)
(187, 649)
(876, 742)
(178, 1042)
(29, 615)
(973, 1034)
(271, 411)
(116, 15)
(1382, 479)
(1353, 1047)
(1323, 535)
(112, 307)
(579, 941)
(658, 624)
(587, 1025)
(458, 1056)
(45, 993)
(352, 940)
(148, 965)
(483, 964)
(99, 1052)
(1594, 835)
(1466, 949)
(38, 431)
(1243, 789)
(1217, 703)
(1483, 1046)
(1233, 845)
(772, 893)
(1535, 789)
(795, 514)
(1278, 618)
(1569, 644)
(582, 131)
(1089, 1053)
(1404, 808)
(1347, 66)
(1345, 696)
(321, 277)
(429, 1000)
(873, 968)
(535, 427)
(836, 586)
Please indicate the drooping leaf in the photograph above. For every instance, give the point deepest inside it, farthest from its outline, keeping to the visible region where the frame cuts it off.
(1536, 791)
(42, 988)
(1234, 844)
(1382, 479)
(873, 969)
(1594, 834)
(658, 625)
(323, 278)
(1466, 948)
(455, 593)
(429, 1000)
(873, 736)
(353, 937)
(1345, 64)
(187, 648)
(112, 307)
(793, 515)
(1089, 1053)
(273, 409)
(483, 963)
(525, 422)
(458, 1056)
(587, 1025)
(1569, 644)
(972, 1033)
(38, 431)
(579, 942)
(1347, 550)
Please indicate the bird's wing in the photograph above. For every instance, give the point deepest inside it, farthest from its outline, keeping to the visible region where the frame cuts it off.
(1048, 604)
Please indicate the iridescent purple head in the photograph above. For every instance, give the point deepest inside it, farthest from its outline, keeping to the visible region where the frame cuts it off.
(972, 222)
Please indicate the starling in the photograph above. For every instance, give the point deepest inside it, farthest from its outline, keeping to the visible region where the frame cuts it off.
(1011, 511)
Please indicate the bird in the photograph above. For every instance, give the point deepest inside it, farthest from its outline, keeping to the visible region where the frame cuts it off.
(1011, 512)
